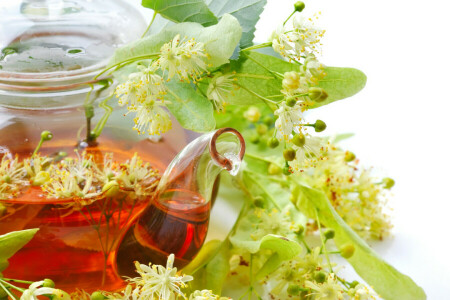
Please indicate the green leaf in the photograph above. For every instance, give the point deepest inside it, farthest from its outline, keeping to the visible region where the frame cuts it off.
(213, 274)
(220, 41)
(207, 252)
(282, 249)
(193, 111)
(182, 10)
(12, 242)
(341, 83)
(246, 11)
(389, 283)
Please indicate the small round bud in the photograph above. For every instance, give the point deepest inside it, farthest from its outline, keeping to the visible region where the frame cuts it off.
(289, 154)
(300, 230)
(2, 211)
(388, 183)
(268, 120)
(274, 169)
(254, 139)
(320, 276)
(111, 188)
(6, 179)
(294, 290)
(41, 178)
(261, 129)
(48, 283)
(97, 296)
(317, 94)
(252, 114)
(320, 126)
(258, 201)
(46, 135)
(273, 143)
(349, 156)
(354, 283)
(299, 6)
(291, 102)
(286, 170)
(347, 250)
(329, 234)
(299, 140)
(62, 153)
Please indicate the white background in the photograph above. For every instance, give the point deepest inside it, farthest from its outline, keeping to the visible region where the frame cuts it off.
(400, 119)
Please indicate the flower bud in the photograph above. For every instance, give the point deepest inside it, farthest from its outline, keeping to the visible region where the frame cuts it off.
(349, 156)
(300, 230)
(317, 94)
(299, 140)
(46, 135)
(329, 234)
(291, 102)
(320, 276)
(289, 154)
(274, 169)
(388, 183)
(299, 6)
(273, 143)
(354, 283)
(347, 250)
(258, 201)
(48, 283)
(97, 296)
(111, 188)
(254, 139)
(291, 80)
(252, 114)
(2, 211)
(261, 129)
(268, 120)
(320, 126)
(294, 290)
(60, 295)
(6, 179)
(41, 178)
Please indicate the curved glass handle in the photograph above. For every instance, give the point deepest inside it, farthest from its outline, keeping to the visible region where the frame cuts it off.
(218, 158)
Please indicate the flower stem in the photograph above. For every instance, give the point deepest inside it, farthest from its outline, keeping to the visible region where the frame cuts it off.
(149, 25)
(12, 286)
(267, 101)
(289, 17)
(126, 62)
(276, 74)
(7, 291)
(323, 242)
(108, 111)
(263, 45)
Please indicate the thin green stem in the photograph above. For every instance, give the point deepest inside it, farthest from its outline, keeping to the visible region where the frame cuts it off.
(305, 244)
(263, 45)
(18, 281)
(39, 145)
(126, 61)
(265, 100)
(8, 292)
(151, 22)
(12, 286)
(323, 242)
(264, 191)
(108, 111)
(289, 17)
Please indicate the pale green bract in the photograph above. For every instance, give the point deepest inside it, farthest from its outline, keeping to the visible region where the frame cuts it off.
(193, 111)
(220, 41)
(12, 242)
(182, 10)
(385, 279)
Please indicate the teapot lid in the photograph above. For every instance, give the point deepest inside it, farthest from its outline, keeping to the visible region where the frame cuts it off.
(55, 39)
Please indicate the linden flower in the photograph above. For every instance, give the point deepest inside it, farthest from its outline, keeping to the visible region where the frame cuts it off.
(363, 293)
(184, 58)
(273, 222)
(219, 89)
(152, 118)
(281, 41)
(289, 120)
(36, 289)
(329, 290)
(132, 92)
(157, 281)
(12, 176)
(138, 175)
(153, 82)
(294, 84)
(312, 69)
(306, 36)
(309, 154)
(310, 262)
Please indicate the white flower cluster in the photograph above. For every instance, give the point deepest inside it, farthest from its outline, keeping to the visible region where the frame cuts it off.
(143, 92)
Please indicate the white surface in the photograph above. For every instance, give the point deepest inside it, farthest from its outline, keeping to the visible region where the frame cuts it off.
(400, 119)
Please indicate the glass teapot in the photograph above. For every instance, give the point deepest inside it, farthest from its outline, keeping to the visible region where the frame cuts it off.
(50, 51)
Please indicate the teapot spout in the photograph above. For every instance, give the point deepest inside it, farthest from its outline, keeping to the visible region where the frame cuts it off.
(176, 220)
